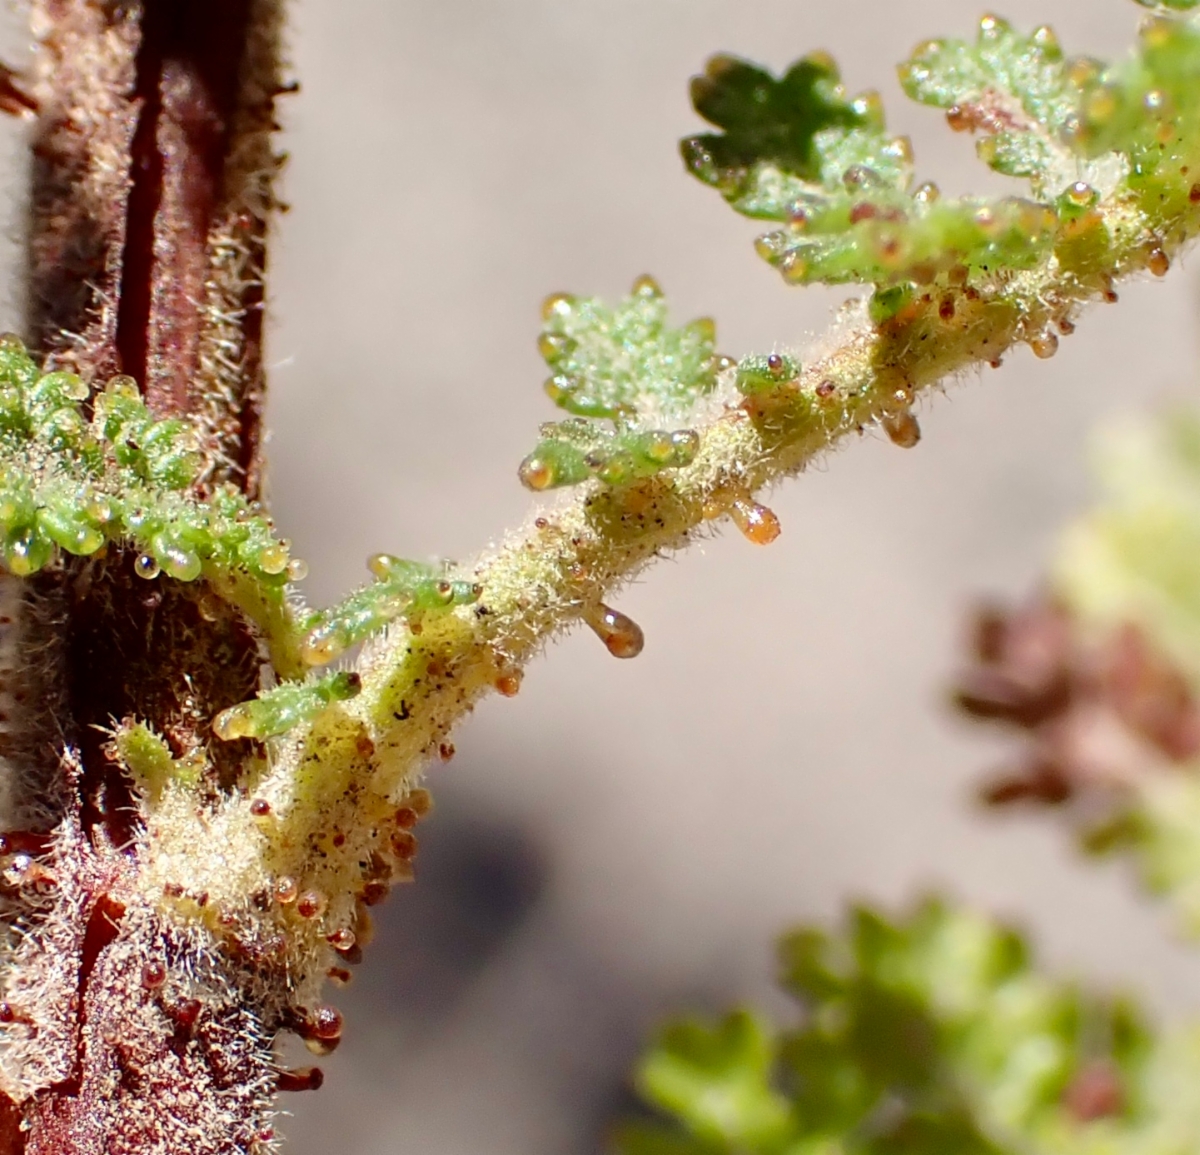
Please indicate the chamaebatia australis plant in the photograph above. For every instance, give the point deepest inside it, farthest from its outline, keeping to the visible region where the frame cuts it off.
(207, 783)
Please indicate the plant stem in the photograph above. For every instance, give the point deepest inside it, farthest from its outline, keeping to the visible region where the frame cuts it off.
(151, 194)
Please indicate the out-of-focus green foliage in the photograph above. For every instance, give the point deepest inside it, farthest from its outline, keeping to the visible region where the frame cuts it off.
(1134, 560)
(1136, 555)
(930, 1035)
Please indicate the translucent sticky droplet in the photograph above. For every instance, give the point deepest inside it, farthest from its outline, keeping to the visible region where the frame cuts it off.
(794, 268)
(1158, 262)
(553, 346)
(621, 635)
(323, 644)
(326, 1023)
(660, 448)
(1156, 101)
(757, 523)
(927, 193)
(26, 553)
(76, 388)
(311, 904)
(297, 569)
(233, 723)
(273, 559)
(99, 510)
(1081, 194)
(685, 444)
(991, 27)
(646, 286)
(286, 890)
(535, 473)
(1101, 105)
(959, 119)
(1045, 38)
(179, 563)
(557, 305)
(146, 566)
(123, 386)
(1044, 345)
(382, 565)
(903, 429)
(342, 939)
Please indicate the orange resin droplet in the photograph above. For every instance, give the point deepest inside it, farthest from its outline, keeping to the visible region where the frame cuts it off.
(509, 683)
(621, 635)
(757, 523)
(535, 474)
(959, 118)
(1044, 345)
(1158, 262)
(903, 429)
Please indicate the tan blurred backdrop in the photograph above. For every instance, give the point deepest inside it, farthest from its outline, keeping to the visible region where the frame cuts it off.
(625, 839)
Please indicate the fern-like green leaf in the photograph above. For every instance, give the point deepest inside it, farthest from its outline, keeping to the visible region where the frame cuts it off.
(626, 362)
(627, 376)
(798, 151)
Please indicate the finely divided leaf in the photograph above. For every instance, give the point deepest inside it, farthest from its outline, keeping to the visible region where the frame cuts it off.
(797, 151)
(628, 377)
(626, 361)
(1018, 90)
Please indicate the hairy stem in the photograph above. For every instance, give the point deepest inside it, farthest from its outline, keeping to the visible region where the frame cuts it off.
(124, 1032)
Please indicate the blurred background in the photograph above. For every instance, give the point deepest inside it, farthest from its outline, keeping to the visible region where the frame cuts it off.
(625, 840)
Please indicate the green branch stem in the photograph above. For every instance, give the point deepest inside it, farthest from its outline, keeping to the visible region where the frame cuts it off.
(666, 438)
(335, 785)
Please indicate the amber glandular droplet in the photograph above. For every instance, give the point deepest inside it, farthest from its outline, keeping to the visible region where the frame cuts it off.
(300, 1079)
(342, 939)
(756, 522)
(1044, 345)
(322, 1030)
(326, 1023)
(903, 429)
(1158, 262)
(621, 635)
(960, 119)
(536, 474)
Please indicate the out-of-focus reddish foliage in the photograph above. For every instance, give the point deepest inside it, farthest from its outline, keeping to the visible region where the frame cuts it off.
(1099, 711)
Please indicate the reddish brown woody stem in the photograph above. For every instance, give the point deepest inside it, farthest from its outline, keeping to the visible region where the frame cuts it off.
(151, 195)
